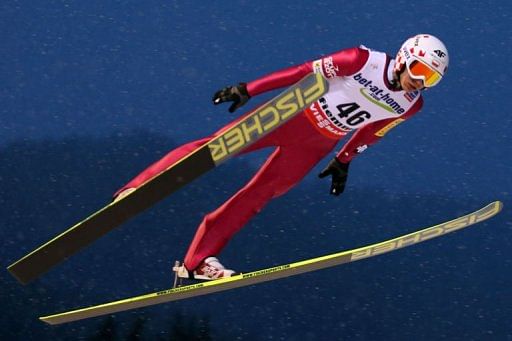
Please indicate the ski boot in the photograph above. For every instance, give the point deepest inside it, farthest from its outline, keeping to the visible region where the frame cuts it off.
(210, 269)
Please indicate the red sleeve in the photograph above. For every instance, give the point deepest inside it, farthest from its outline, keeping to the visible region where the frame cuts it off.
(343, 63)
(372, 133)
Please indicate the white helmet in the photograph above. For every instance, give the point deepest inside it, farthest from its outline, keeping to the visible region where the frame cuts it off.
(425, 57)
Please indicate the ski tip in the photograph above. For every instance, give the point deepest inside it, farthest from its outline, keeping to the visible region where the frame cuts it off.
(498, 205)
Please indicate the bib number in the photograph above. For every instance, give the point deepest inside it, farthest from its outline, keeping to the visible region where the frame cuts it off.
(353, 118)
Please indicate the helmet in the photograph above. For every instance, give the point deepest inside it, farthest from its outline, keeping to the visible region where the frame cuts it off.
(425, 57)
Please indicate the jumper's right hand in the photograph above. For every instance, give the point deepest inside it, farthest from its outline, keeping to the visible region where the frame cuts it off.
(237, 94)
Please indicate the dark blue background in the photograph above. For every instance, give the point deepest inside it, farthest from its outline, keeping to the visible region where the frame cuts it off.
(94, 91)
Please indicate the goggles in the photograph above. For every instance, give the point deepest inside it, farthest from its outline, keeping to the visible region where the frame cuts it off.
(419, 70)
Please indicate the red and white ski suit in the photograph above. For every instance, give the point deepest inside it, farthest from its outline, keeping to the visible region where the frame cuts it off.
(360, 98)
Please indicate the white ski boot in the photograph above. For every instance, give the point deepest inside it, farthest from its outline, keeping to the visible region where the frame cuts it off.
(124, 193)
(209, 269)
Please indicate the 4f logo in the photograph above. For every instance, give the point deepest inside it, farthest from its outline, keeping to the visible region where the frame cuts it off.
(440, 53)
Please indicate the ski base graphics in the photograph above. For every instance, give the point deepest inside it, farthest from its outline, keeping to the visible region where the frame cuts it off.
(252, 127)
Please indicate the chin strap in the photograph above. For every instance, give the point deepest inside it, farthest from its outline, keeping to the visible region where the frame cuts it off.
(395, 83)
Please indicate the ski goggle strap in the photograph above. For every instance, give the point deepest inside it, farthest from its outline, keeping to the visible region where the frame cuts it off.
(419, 70)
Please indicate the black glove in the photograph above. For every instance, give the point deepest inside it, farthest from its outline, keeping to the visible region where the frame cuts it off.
(339, 172)
(237, 94)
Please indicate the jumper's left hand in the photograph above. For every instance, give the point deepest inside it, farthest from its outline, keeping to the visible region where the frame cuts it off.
(339, 173)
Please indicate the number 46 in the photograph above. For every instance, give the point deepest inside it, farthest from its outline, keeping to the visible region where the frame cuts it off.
(357, 118)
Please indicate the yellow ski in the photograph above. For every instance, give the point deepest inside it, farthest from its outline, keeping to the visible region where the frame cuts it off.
(277, 272)
(246, 131)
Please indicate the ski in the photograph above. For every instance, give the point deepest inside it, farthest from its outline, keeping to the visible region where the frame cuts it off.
(278, 272)
(252, 127)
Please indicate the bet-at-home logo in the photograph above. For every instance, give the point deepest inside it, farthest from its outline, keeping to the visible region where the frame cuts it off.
(377, 96)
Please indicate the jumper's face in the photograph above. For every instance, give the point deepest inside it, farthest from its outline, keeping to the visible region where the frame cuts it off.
(410, 84)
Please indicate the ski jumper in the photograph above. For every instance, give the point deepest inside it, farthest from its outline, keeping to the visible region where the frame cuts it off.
(360, 98)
